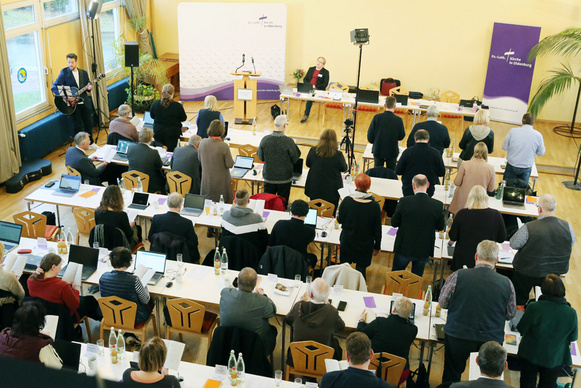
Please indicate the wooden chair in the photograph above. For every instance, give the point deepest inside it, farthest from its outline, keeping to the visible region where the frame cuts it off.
(120, 314)
(249, 150)
(403, 282)
(85, 219)
(130, 180)
(450, 96)
(191, 317)
(309, 359)
(34, 226)
(72, 171)
(178, 181)
(324, 208)
(399, 90)
(381, 200)
(388, 367)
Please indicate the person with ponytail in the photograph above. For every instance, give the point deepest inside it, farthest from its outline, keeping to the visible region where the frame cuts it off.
(167, 116)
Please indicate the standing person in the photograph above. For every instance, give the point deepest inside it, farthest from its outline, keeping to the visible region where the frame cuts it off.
(319, 76)
(143, 158)
(207, 115)
(385, 131)
(549, 323)
(477, 132)
(167, 116)
(77, 158)
(78, 78)
(122, 125)
(216, 161)
(420, 159)
(479, 301)
(150, 371)
(439, 136)
(11, 293)
(185, 160)
(418, 218)
(360, 219)
(491, 361)
(110, 212)
(326, 164)
(473, 224)
(521, 144)
(279, 153)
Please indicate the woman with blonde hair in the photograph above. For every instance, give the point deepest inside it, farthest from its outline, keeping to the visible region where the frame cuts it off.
(207, 115)
(167, 116)
(472, 225)
(476, 171)
(477, 132)
(151, 372)
(326, 164)
(11, 293)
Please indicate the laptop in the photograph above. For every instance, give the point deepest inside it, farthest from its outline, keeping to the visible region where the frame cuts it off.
(305, 88)
(298, 168)
(370, 96)
(242, 165)
(69, 352)
(336, 94)
(193, 205)
(514, 196)
(139, 201)
(122, 148)
(68, 186)
(286, 90)
(10, 235)
(311, 218)
(88, 257)
(412, 316)
(401, 98)
(33, 262)
(155, 261)
(147, 120)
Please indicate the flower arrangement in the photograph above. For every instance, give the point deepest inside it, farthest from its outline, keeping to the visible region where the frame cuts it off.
(298, 74)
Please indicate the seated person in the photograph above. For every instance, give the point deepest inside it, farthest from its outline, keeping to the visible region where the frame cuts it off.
(151, 372)
(381, 331)
(143, 158)
(313, 318)
(249, 308)
(180, 226)
(185, 160)
(126, 285)
(77, 158)
(110, 212)
(25, 341)
(294, 233)
(241, 221)
(123, 126)
(359, 355)
(491, 361)
(11, 294)
(45, 284)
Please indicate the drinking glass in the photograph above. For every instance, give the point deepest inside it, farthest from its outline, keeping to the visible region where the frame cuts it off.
(96, 244)
(297, 280)
(278, 378)
(180, 258)
(298, 380)
(101, 344)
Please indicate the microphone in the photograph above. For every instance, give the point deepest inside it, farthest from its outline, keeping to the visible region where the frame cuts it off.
(253, 64)
(243, 60)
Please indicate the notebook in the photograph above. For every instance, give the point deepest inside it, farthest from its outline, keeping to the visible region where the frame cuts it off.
(69, 352)
(10, 235)
(306, 88)
(68, 186)
(513, 196)
(155, 261)
(370, 96)
(122, 148)
(88, 257)
(147, 120)
(193, 204)
(139, 201)
(298, 168)
(242, 165)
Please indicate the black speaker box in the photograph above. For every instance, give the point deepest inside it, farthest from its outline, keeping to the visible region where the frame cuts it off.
(131, 54)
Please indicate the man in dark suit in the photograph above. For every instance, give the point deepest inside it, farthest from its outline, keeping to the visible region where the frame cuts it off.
(76, 158)
(78, 78)
(491, 360)
(439, 136)
(384, 132)
(318, 76)
(418, 218)
(185, 160)
(172, 222)
(143, 158)
(420, 159)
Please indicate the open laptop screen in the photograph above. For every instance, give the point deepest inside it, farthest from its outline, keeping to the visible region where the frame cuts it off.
(311, 218)
(10, 232)
(140, 198)
(147, 120)
(303, 87)
(370, 96)
(70, 182)
(123, 146)
(244, 162)
(155, 261)
(194, 201)
(87, 256)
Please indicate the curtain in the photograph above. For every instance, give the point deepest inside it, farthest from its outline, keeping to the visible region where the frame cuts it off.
(136, 8)
(87, 26)
(9, 147)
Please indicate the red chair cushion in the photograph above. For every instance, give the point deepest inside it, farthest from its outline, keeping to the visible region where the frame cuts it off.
(334, 105)
(50, 231)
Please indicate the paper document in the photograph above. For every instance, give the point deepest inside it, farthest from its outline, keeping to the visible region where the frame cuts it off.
(131, 214)
(346, 191)
(50, 325)
(135, 120)
(73, 274)
(144, 273)
(15, 264)
(108, 157)
(175, 351)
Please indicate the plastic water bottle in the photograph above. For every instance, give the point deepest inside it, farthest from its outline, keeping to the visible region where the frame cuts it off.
(254, 127)
(112, 345)
(139, 187)
(120, 346)
(70, 238)
(217, 261)
(232, 372)
(221, 204)
(240, 367)
(428, 301)
(224, 262)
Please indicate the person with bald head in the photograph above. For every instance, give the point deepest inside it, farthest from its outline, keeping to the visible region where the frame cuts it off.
(249, 308)
(544, 247)
(417, 218)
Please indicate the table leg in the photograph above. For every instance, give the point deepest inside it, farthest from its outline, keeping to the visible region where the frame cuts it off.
(28, 204)
(159, 312)
(58, 216)
(430, 354)
(283, 343)
(534, 183)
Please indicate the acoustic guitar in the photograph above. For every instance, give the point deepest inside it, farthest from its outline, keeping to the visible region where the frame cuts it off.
(67, 105)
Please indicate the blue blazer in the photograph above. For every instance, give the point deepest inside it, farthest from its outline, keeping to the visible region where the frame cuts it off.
(66, 78)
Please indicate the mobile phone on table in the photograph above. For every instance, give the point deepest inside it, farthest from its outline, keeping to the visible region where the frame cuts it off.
(342, 306)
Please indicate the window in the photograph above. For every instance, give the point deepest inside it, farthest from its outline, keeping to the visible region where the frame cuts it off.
(110, 31)
(59, 11)
(22, 22)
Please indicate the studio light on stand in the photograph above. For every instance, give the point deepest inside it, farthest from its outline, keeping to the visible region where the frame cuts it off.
(93, 11)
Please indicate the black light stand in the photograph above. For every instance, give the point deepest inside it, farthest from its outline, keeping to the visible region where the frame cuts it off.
(98, 110)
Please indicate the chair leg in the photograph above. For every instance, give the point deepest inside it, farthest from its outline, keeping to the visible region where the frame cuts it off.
(101, 331)
(287, 373)
(154, 320)
(167, 332)
(88, 327)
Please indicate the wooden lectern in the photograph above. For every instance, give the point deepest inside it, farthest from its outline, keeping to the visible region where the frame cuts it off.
(245, 95)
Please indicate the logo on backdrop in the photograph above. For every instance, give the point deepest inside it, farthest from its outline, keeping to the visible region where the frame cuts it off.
(265, 23)
(22, 75)
(508, 57)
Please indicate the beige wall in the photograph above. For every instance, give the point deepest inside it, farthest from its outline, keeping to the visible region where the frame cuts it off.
(426, 44)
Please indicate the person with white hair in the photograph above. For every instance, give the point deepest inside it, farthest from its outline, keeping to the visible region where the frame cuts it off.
(314, 318)
(439, 136)
(476, 133)
(544, 247)
(77, 158)
(185, 160)
(122, 124)
(208, 114)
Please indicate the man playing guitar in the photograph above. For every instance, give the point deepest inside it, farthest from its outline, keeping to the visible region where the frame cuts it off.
(74, 77)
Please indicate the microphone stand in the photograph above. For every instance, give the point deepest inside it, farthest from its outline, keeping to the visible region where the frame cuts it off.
(98, 110)
(236, 71)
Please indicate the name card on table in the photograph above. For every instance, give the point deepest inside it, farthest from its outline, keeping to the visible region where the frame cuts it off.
(311, 385)
(272, 277)
(337, 288)
(221, 370)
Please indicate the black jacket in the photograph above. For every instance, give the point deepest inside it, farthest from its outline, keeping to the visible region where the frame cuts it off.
(420, 159)
(322, 79)
(439, 136)
(385, 130)
(283, 261)
(146, 160)
(180, 226)
(78, 160)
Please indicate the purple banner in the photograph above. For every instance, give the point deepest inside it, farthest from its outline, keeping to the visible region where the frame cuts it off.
(509, 75)
(266, 90)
